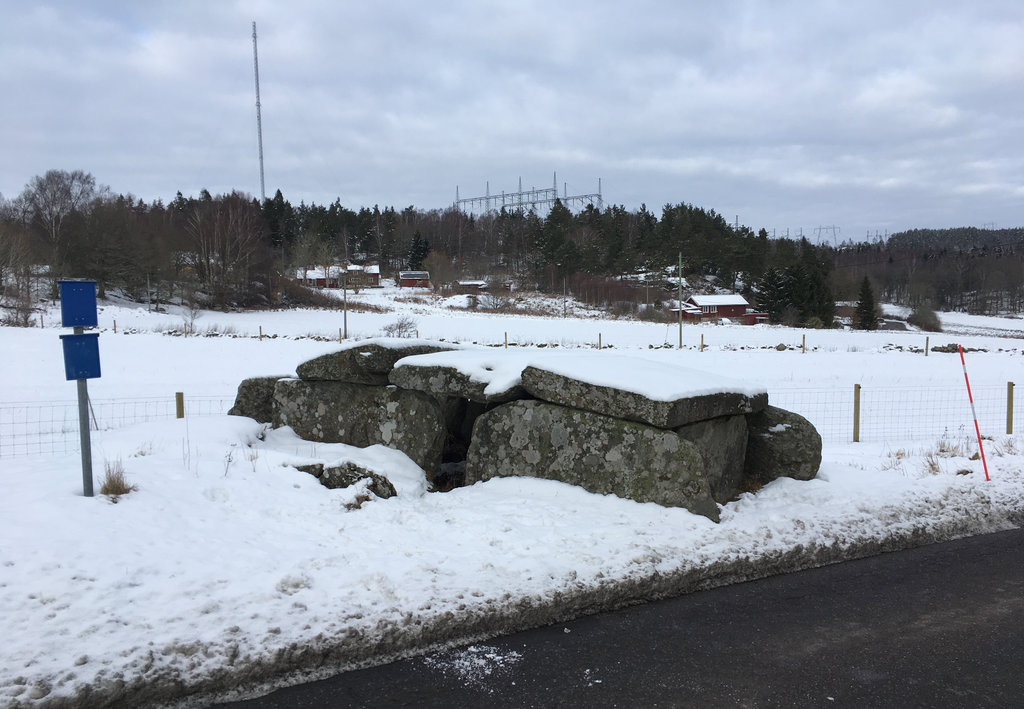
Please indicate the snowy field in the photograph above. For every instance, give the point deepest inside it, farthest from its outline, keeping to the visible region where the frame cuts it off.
(226, 564)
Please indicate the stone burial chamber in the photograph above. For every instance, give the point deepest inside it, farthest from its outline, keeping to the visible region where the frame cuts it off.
(641, 429)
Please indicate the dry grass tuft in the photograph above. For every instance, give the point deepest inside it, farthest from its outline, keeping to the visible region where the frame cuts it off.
(114, 483)
(895, 461)
(358, 502)
(931, 464)
(949, 448)
(749, 484)
(1007, 446)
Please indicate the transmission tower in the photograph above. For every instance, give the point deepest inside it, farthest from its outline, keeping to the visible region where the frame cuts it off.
(526, 200)
(259, 123)
(833, 229)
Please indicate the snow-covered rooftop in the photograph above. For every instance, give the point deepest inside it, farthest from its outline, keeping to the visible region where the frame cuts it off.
(731, 299)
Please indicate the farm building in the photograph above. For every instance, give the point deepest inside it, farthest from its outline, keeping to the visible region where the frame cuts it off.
(469, 287)
(701, 308)
(353, 275)
(414, 279)
(364, 276)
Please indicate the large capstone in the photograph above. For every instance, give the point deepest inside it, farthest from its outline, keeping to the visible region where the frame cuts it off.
(707, 399)
(443, 381)
(365, 363)
(780, 444)
(599, 453)
(363, 415)
(721, 443)
(255, 399)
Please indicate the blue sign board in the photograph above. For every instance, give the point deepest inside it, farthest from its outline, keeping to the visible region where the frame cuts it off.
(81, 355)
(78, 304)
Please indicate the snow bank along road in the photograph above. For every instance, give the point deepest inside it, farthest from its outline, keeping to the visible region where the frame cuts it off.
(934, 626)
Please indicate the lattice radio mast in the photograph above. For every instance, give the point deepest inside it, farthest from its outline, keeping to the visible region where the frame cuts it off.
(259, 123)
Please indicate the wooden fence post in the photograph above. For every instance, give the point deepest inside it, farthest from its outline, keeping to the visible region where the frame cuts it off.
(1009, 408)
(856, 413)
(179, 404)
(926, 343)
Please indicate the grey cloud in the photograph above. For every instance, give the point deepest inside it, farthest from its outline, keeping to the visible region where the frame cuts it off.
(872, 115)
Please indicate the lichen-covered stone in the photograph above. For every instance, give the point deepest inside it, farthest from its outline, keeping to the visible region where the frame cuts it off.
(346, 474)
(255, 399)
(448, 381)
(568, 391)
(367, 363)
(599, 453)
(722, 443)
(362, 415)
(780, 444)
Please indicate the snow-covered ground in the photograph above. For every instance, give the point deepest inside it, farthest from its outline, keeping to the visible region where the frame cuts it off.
(227, 563)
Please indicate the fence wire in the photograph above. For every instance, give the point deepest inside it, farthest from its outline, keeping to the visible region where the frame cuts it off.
(891, 414)
(900, 413)
(51, 428)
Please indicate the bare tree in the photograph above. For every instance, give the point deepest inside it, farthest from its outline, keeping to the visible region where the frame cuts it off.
(52, 199)
(16, 281)
(227, 234)
(304, 253)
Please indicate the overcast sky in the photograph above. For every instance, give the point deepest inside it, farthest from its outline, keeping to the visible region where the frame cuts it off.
(869, 116)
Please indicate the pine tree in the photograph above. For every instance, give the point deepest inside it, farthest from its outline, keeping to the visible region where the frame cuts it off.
(418, 251)
(865, 317)
(771, 294)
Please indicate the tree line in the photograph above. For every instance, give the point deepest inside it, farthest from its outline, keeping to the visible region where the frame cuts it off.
(231, 250)
(966, 269)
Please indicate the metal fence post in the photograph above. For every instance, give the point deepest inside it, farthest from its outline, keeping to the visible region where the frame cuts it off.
(856, 413)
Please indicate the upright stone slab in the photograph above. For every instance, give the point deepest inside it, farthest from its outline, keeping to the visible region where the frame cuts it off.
(782, 444)
(569, 390)
(599, 453)
(722, 443)
(365, 363)
(255, 399)
(363, 415)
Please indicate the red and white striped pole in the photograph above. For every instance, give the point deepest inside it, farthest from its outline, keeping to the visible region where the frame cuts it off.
(973, 413)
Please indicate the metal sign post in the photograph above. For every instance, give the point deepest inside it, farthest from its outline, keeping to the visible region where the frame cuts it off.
(81, 358)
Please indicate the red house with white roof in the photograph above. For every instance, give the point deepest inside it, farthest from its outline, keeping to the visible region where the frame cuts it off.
(700, 308)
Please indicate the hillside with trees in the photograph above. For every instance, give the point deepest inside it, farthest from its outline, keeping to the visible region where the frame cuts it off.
(231, 251)
(966, 269)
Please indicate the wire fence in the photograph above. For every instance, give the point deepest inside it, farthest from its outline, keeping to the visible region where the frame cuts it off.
(901, 413)
(51, 428)
(891, 414)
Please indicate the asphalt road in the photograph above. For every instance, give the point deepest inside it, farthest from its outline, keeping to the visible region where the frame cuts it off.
(938, 626)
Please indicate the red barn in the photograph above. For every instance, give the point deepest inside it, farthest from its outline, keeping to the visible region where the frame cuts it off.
(414, 279)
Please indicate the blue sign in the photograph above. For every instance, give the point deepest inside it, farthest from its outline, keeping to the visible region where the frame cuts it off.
(78, 303)
(81, 355)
